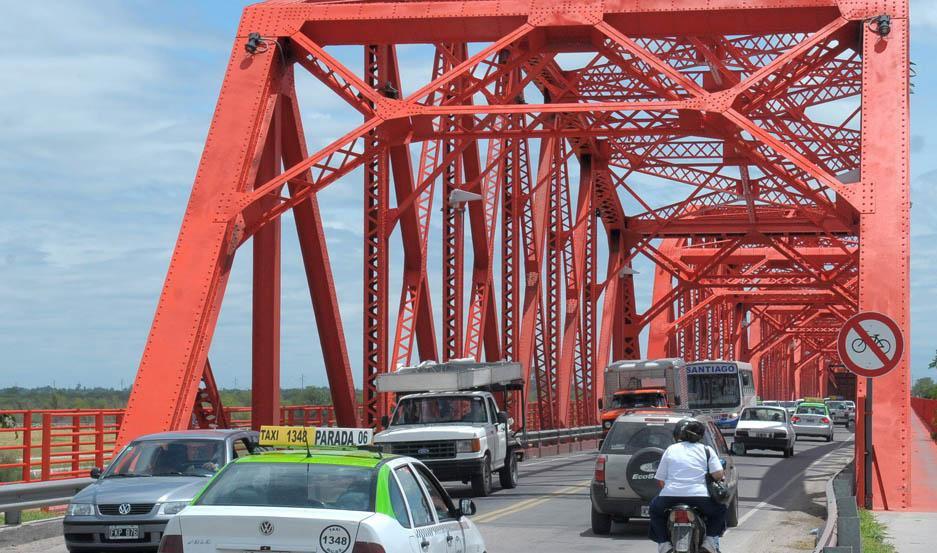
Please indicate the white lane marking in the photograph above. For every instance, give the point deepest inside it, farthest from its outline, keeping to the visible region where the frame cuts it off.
(765, 503)
(554, 459)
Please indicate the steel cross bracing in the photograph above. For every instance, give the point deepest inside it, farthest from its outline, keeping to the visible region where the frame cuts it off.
(755, 153)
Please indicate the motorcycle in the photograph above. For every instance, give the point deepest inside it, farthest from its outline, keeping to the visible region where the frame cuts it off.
(686, 528)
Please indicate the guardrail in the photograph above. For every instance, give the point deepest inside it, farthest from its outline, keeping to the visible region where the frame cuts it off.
(47, 444)
(926, 410)
(841, 532)
(16, 498)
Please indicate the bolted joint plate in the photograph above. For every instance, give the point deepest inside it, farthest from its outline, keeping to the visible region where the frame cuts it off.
(550, 13)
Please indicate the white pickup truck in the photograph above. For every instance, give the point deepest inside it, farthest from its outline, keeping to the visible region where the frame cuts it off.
(456, 429)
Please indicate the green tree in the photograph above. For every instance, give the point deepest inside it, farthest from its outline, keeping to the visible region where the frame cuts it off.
(925, 387)
(933, 363)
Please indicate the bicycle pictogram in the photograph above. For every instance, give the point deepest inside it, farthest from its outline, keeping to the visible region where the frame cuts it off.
(859, 345)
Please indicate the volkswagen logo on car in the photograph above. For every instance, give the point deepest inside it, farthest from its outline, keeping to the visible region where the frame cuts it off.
(266, 527)
(124, 508)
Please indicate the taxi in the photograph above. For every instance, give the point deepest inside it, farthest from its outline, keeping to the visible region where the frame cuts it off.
(338, 494)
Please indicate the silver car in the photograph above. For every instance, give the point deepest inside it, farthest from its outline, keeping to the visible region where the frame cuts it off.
(813, 419)
(623, 484)
(152, 478)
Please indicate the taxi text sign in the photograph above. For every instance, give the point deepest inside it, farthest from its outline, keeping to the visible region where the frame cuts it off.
(299, 436)
(870, 344)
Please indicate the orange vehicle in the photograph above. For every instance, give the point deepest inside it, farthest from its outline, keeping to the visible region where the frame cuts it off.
(641, 384)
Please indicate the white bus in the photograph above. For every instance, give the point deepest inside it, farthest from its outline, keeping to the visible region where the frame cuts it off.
(720, 389)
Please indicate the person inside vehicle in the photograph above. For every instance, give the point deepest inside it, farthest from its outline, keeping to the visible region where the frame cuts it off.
(681, 476)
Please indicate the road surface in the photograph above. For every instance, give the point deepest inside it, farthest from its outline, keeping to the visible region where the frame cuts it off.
(781, 500)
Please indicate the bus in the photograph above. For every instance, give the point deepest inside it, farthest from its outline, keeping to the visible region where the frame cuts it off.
(720, 389)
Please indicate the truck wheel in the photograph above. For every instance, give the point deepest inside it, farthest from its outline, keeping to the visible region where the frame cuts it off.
(732, 517)
(601, 523)
(508, 473)
(481, 482)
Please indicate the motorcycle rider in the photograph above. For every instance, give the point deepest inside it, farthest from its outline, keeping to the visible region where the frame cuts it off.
(682, 478)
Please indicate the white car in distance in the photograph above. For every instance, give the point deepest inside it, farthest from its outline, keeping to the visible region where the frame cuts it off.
(764, 427)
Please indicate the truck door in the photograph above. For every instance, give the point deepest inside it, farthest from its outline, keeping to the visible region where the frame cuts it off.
(499, 447)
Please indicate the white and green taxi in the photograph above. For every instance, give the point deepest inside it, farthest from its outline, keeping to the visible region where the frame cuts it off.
(335, 498)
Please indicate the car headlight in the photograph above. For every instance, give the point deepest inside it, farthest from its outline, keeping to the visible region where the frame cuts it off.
(80, 510)
(607, 424)
(734, 416)
(468, 446)
(172, 507)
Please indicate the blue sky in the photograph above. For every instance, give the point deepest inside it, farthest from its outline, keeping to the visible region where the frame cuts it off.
(104, 111)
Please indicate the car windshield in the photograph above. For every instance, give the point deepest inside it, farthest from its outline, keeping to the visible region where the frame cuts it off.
(811, 410)
(788, 404)
(629, 437)
(836, 405)
(303, 485)
(435, 410)
(765, 415)
(168, 458)
(633, 401)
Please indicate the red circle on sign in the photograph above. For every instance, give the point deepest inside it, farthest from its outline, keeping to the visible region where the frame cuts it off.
(854, 324)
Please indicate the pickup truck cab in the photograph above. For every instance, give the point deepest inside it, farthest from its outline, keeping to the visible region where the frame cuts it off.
(460, 435)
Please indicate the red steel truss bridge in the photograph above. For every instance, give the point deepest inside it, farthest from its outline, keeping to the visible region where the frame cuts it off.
(755, 151)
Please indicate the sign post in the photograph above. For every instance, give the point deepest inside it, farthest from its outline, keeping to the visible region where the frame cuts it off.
(870, 344)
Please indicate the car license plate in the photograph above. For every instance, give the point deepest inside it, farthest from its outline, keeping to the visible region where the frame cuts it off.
(645, 511)
(761, 434)
(123, 532)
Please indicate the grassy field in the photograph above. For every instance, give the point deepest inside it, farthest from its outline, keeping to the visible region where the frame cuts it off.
(36, 514)
(874, 535)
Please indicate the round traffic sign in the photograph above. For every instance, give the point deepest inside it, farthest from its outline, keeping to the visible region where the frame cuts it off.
(870, 344)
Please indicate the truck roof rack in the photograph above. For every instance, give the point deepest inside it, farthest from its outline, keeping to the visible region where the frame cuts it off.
(632, 364)
(453, 376)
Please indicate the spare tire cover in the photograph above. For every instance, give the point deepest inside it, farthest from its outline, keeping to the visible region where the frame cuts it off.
(640, 472)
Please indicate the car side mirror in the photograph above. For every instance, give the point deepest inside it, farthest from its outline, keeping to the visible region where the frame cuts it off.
(502, 417)
(601, 403)
(737, 449)
(466, 508)
(384, 421)
(96, 473)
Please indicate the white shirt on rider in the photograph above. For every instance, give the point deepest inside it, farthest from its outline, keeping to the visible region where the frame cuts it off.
(683, 469)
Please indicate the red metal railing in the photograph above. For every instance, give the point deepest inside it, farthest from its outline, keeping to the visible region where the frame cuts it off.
(926, 409)
(55, 443)
(50, 444)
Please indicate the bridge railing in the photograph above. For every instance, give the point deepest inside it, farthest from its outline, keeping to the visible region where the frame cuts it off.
(926, 409)
(50, 444)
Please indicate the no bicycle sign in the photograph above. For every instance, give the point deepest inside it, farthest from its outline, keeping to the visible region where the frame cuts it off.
(870, 344)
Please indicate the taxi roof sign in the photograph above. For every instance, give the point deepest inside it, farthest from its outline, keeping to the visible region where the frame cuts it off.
(313, 437)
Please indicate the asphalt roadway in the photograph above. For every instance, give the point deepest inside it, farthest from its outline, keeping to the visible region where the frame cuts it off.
(781, 501)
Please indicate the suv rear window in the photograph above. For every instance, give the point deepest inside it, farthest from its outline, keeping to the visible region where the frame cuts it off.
(627, 438)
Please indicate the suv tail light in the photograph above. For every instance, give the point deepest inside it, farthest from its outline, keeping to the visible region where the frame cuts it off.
(171, 543)
(367, 547)
(600, 468)
(825, 420)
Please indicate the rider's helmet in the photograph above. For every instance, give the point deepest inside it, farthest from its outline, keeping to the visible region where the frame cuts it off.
(688, 430)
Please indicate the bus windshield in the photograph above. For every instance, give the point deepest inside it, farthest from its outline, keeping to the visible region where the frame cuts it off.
(714, 391)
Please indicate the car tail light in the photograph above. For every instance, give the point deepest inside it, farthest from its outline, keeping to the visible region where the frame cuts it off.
(795, 419)
(600, 468)
(367, 547)
(681, 516)
(171, 543)
(825, 420)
